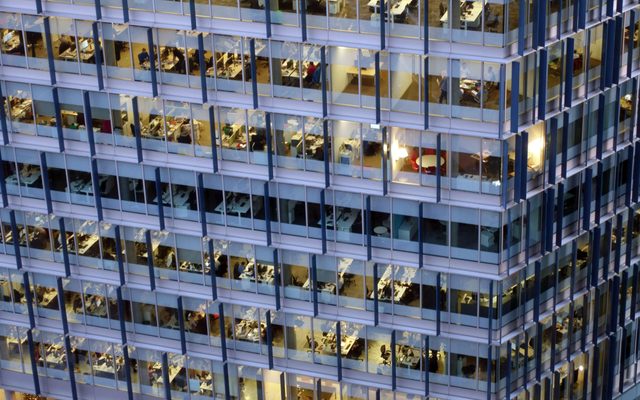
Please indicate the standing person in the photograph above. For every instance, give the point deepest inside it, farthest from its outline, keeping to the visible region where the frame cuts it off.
(117, 48)
(443, 83)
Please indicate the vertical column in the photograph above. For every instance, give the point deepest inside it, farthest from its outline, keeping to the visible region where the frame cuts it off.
(152, 62)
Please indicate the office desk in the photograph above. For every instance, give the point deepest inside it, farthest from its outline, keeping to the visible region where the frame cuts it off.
(81, 186)
(48, 296)
(346, 220)
(8, 237)
(328, 343)
(368, 74)
(231, 69)
(194, 318)
(96, 305)
(429, 161)
(247, 330)
(86, 242)
(468, 18)
(174, 370)
(206, 386)
(399, 8)
(55, 356)
(401, 284)
(168, 64)
(153, 129)
(470, 89)
(175, 128)
(86, 186)
(180, 198)
(265, 273)
(327, 287)
(239, 204)
(21, 110)
(14, 343)
(170, 61)
(312, 144)
(408, 357)
(555, 66)
(86, 54)
(189, 266)
(233, 137)
(247, 272)
(291, 74)
(146, 65)
(27, 179)
(106, 367)
(11, 42)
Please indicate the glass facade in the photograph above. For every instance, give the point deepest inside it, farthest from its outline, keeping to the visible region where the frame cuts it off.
(402, 199)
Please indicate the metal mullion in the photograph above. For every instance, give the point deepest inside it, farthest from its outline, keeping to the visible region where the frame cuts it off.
(302, 11)
(34, 363)
(202, 67)
(97, 55)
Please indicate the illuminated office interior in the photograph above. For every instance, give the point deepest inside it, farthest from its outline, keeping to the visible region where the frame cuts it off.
(319, 199)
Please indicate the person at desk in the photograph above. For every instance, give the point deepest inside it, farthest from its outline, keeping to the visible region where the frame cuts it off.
(194, 61)
(165, 53)
(143, 56)
(239, 269)
(168, 319)
(118, 47)
(185, 136)
(317, 74)
(65, 44)
(311, 69)
(181, 66)
(33, 38)
(39, 238)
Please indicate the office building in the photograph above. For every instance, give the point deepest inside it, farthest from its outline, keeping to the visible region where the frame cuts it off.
(319, 199)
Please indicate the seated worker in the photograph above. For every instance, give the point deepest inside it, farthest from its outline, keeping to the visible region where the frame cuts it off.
(65, 44)
(143, 56)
